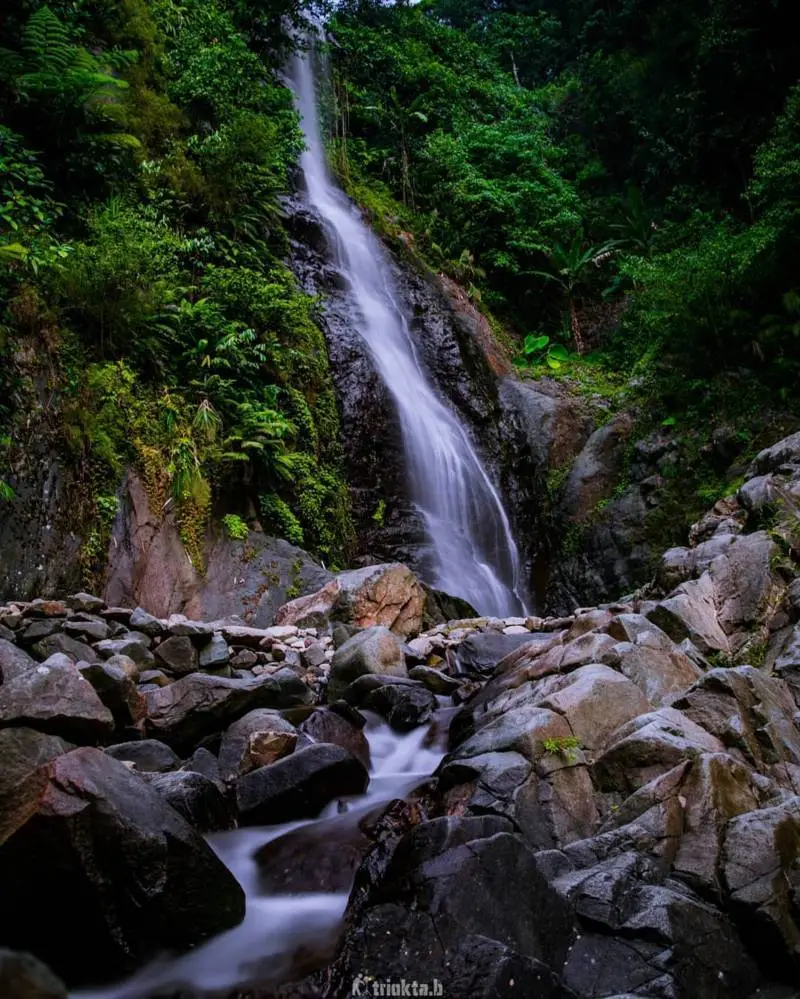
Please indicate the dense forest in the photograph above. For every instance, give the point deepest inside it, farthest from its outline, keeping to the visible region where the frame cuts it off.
(615, 183)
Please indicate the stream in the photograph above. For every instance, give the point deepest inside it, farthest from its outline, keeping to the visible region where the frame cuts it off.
(285, 936)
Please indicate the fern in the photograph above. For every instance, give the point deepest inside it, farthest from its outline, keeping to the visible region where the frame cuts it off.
(46, 44)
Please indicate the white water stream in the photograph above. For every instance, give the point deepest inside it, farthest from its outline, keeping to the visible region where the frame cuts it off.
(475, 554)
(279, 929)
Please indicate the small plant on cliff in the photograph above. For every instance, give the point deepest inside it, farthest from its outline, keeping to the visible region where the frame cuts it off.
(6, 492)
(235, 527)
(567, 746)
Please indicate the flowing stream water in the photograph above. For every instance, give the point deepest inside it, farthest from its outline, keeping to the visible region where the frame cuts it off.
(285, 935)
(475, 554)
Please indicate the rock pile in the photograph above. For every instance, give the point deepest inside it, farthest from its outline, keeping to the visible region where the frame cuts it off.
(618, 814)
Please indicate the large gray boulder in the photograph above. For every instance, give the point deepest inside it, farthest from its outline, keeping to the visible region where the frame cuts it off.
(55, 698)
(374, 650)
(13, 661)
(200, 704)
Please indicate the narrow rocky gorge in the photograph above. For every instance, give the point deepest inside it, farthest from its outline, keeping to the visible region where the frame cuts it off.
(617, 812)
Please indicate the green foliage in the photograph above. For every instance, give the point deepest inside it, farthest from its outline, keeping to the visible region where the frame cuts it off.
(147, 237)
(235, 527)
(538, 349)
(566, 746)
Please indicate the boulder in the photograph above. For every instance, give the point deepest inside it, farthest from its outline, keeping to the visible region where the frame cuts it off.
(55, 698)
(760, 869)
(118, 692)
(200, 800)
(134, 645)
(105, 874)
(660, 676)
(61, 644)
(404, 706)
(691, 613)
(13, 661)
(479, 653)
(238, 753)
(147, 755)
(23, 775)
(22, 976)
(375, 650)
(648, 746)
(387, 595)
(86, 602)
(744, 581)
(88, 627)
(200, 704)
(436, 681)
(178, 654)
(140, 620)
(595, 701)
(332, 726)
(436, 905)
(214, 653)
(523, 730)
(299, 786)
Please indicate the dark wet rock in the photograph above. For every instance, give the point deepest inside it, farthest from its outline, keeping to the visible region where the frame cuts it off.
(404, 706)
(40, 628)
(199, 799)
(23, 775)
(118, 692)
(65, 645)
(105, 874)
(147, 755)
(299, 786)
(199, 704)
(134, 645)
(178, 654)
(761, 875)
(13, 661)
(435, 680)
(23, 976)
(437, 905)
(321, 857)
(239, 752)
(480, 652)
(55, 698)
(87, 627)
(375, 650)
(202, 761)
(334, 726)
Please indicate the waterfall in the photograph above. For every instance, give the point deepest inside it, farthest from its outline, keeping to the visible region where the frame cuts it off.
(474, 553)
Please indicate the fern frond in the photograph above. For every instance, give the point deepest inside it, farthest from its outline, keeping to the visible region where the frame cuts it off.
(46, 43)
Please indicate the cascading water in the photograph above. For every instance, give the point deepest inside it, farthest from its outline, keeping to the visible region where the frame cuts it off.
(474, 551)
(285, 934)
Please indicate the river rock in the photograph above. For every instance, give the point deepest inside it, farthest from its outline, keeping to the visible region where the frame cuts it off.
(88, 627)
(239, 754)
(134, 645)
(140, 620)
(147, 755)
(202, 761)
(328, 725)
(215, 653)
(375, 650)
(436, 681)
(106, 874)
(22, 976)
(455, 874)
(691, 613)
(387, 595)
(54, 698)
(404, 706)
(299, 786)
(200, 800)
(480, 652)
(200, 704)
